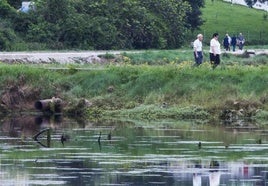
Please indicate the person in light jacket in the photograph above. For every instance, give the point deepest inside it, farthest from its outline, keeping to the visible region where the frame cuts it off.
(215, 50)
(198, 51)
(241, 41)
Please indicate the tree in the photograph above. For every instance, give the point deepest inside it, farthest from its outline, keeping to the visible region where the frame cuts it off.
(194, 19)
(6, 11)
(14, 3)
(262, 1)
(105, 24)
(54, 11)
(250, 3)
(170, 17)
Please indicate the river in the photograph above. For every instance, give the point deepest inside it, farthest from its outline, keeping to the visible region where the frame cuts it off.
(37, 150)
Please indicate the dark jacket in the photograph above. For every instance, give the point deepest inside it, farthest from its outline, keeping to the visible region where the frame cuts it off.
(226, 41)
(233, 41)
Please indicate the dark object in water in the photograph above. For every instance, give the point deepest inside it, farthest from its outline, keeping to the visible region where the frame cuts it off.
(35, 137)
(64, 138)
(99, 142)
(99, 138)
(109, 137)
(259, 141)
(53, 105)
(199, 145)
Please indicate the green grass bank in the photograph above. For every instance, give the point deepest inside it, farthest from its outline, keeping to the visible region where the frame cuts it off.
(175, 90)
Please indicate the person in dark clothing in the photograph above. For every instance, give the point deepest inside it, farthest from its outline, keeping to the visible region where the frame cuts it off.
(226, 43)
(233, 42)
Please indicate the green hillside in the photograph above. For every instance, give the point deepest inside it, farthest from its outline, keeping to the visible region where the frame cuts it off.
(223, 17)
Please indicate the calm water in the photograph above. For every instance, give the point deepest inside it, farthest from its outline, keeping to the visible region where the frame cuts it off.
(56, 151)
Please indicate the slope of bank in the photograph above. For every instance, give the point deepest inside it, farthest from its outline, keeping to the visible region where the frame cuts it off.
(177, 91)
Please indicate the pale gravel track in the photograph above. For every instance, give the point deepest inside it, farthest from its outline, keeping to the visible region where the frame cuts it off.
(65, 57)
(58, 56)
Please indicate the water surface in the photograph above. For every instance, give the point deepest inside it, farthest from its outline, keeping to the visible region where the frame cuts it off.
(56, 151)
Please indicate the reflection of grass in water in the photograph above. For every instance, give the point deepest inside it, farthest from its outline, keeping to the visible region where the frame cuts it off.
(140, 140)
(262, 117)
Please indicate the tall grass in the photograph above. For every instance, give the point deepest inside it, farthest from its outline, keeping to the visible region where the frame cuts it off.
(158, 57)
(24, 75)
(176, 85)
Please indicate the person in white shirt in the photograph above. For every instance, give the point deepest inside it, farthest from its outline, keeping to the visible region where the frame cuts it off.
(198, 51)
(215, 50)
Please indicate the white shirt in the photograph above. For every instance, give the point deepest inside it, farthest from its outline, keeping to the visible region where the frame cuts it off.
(215, 46)
(197, 45)
(229, 39)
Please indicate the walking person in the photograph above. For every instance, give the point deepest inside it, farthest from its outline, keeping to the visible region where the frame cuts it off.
(215, 50)
(198, 50)
(233, 42)
(241, 41)
(229, 40)
(226, 43)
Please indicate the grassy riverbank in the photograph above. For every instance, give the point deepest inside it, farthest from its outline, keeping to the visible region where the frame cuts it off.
(164, 89)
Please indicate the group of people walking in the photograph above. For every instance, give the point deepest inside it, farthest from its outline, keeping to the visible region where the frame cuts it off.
(233, 41)
(215, 47)
(214, 50)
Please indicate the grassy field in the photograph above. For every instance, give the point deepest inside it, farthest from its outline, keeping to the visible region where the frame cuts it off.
(222, 17)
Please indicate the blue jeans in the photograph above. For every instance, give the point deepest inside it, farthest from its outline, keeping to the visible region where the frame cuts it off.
(234, 47)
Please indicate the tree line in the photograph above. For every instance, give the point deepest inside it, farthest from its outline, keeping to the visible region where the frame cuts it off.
(250, 3)
(98, 24)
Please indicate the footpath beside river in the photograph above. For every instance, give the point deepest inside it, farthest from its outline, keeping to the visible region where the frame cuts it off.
(50, 57)
(64, 57)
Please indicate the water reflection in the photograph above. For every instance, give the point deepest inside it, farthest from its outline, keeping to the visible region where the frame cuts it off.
(128, 153)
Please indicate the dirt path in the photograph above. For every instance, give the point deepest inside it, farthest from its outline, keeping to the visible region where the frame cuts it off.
(49, 57)
(78, 56)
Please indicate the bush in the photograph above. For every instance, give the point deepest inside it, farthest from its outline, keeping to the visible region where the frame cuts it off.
(7, 39)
